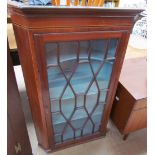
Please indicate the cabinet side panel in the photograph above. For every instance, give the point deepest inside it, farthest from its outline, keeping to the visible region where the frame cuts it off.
(25, 55)
(122, 108)
(137, 120)
(39, 58)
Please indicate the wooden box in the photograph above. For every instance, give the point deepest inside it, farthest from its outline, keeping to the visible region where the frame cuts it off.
(129, 112)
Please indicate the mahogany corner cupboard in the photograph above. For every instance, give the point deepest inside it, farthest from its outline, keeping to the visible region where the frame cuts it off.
(71, 59)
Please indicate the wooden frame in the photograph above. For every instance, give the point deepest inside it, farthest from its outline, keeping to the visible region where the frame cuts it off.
(40, 40)
(38, 24)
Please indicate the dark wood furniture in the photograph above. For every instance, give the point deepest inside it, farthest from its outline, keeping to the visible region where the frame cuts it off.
(17, 137)
(12, 43)
(71, 60)
(129, 111)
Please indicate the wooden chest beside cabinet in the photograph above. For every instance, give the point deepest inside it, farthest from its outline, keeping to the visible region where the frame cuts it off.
(18, 142)
(129, 111)
(71, 60)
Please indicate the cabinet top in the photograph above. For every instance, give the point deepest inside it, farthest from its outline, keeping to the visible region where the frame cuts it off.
(73, 10)
(134, 77)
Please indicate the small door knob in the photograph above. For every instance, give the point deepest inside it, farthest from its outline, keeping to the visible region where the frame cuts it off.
(117, 98)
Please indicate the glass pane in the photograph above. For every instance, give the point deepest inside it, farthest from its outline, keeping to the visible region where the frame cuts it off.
(67, 107)
(81, 113)
(81, 78)
(91, 101)
(67, 67)
(56, 82)
(102, 97)
(57, 138)
(55, 106)
(88, 128)
(80, 100)
(84, 50)
(97, 127)
(95, 64)
(77, 133)
(104, 75)
(58, 118)
(78, 122)
(58, 122)
(66, 50)
(67, 102)
(79, 73)
(97, 115)
(68, 134)
(58, 128)
(67, 94)
(98, 49)
(51, 53)
(112, 48)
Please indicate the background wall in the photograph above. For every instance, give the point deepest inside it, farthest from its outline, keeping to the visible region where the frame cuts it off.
(132, 3)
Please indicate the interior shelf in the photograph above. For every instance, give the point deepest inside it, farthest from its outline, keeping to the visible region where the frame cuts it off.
(77, 124)
(95, 49)
(68, 105)
(79, 82)
(58, 118)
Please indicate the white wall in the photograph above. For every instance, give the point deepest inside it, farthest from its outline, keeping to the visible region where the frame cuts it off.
(139, 3)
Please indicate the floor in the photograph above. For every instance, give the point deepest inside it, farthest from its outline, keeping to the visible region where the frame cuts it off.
(112, 144)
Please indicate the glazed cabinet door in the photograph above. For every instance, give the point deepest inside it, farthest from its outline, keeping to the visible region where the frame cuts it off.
(75, 74)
